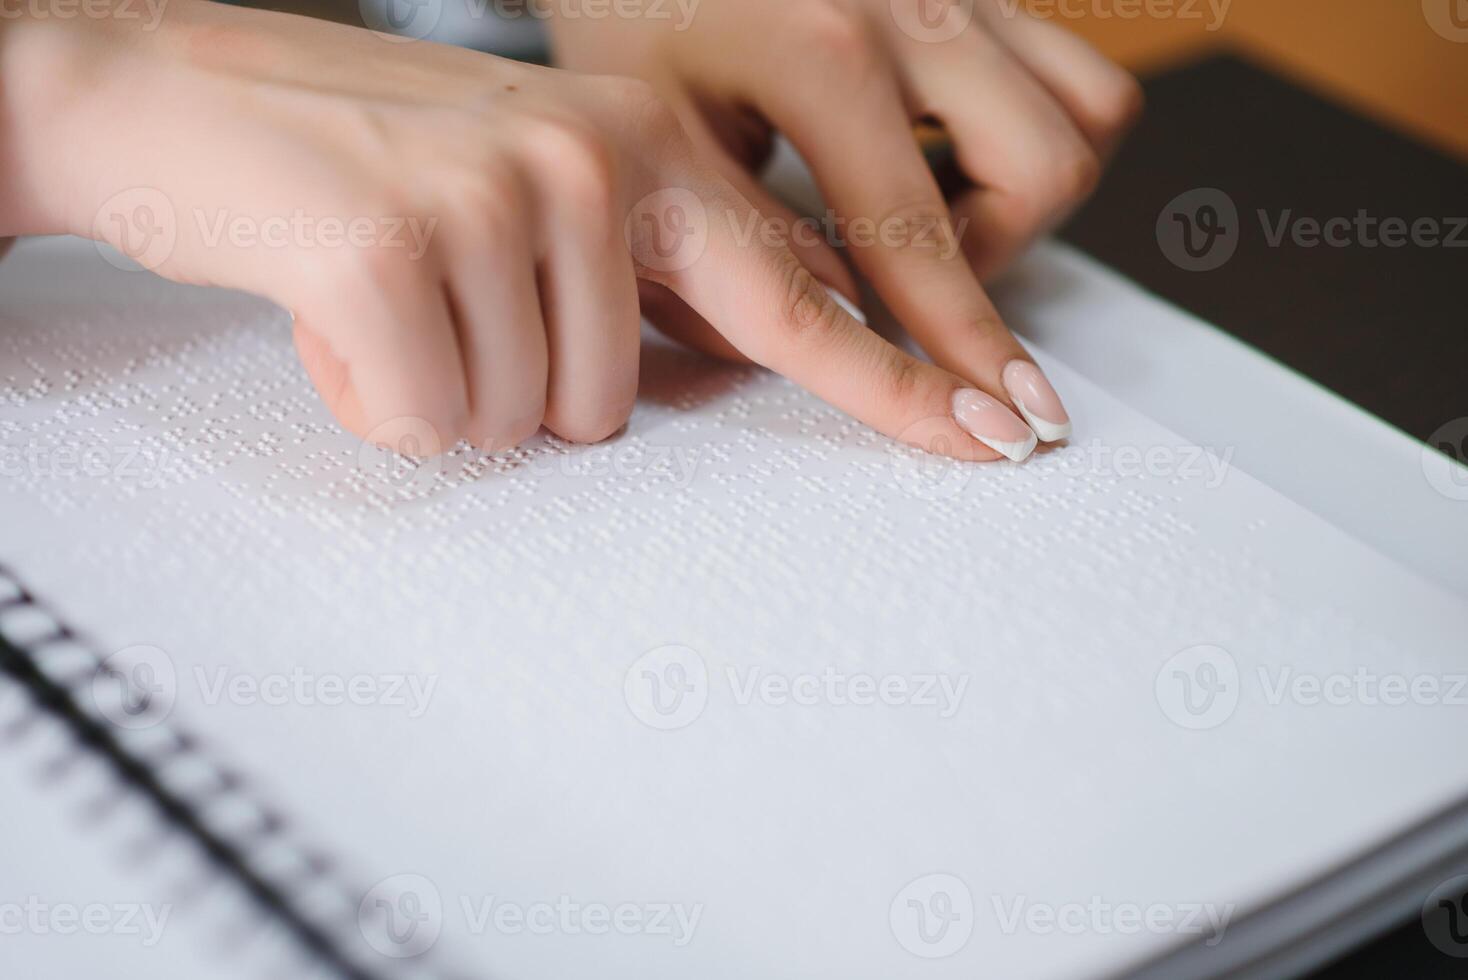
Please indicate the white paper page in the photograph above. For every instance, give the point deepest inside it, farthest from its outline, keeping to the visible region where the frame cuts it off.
(1073, 769)
(93, 883)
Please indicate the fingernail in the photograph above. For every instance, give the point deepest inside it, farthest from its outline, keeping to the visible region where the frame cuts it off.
(1036, 400)
(992, 424)
(852, 310)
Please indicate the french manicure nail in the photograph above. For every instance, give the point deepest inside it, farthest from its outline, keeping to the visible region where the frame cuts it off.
(992, 424)
(1036, 400)
(852, 310)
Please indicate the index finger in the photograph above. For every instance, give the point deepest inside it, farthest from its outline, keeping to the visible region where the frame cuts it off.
(778, 314)
(902, 237)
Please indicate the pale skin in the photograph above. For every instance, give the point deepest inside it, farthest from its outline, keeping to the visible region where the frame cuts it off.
(537, 196)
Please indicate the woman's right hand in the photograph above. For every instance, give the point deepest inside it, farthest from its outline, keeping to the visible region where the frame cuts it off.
(459, 237)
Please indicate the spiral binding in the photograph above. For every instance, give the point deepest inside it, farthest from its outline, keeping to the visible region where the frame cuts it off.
(206, 803)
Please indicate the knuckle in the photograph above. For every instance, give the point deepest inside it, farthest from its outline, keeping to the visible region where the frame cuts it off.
(375, 266)
(809, 315)
(830, 36)
(1117, 105)
(491, 193)
(580, 158)
(1076, 175)
(1047, 191)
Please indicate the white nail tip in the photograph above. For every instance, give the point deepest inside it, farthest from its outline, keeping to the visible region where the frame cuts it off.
(851, 308)
(1016, 451)
(1047, 431)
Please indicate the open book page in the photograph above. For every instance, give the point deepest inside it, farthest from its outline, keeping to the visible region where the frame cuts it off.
(746, 691)
(97, 884)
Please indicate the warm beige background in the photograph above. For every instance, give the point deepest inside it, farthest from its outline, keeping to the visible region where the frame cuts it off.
(1381, 56)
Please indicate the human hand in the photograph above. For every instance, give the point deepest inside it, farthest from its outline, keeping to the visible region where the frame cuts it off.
(459, 237)
(1031, 109)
